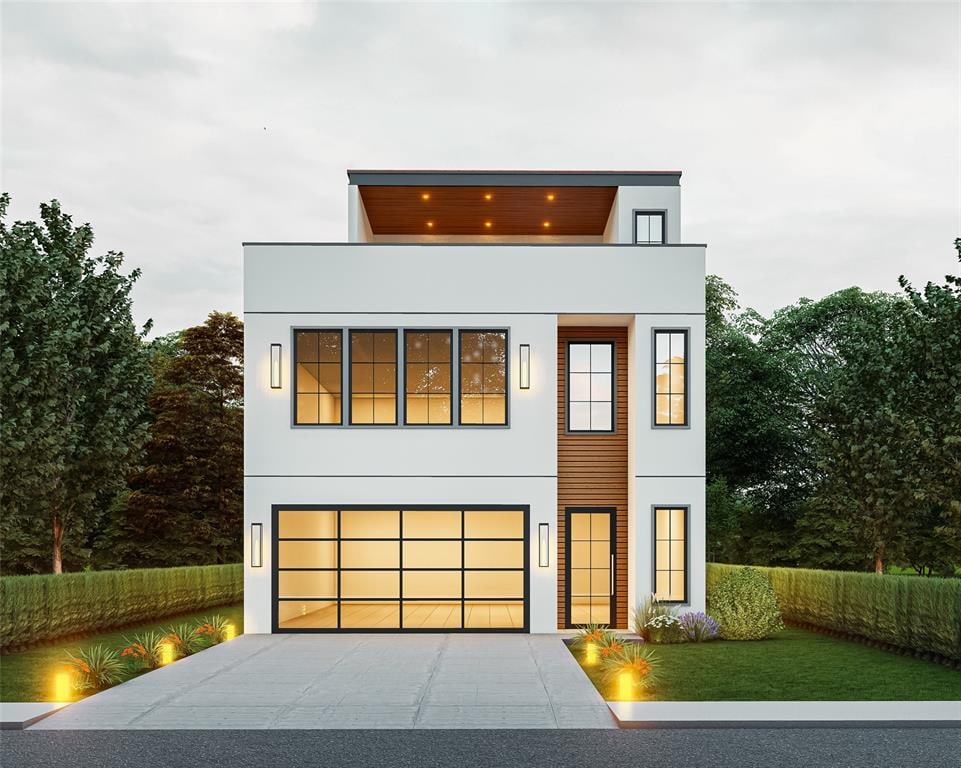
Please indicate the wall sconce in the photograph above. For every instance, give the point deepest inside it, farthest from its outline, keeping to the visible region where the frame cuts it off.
(543, 545)
(275, 366)
(256, 545)
(525, 366)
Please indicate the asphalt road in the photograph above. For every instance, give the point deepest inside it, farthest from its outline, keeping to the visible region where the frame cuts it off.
(780, 747)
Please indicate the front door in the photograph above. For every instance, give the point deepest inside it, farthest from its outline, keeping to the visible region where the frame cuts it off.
(590, 566)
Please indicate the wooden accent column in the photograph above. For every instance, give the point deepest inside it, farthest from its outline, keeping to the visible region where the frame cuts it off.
(592, 468)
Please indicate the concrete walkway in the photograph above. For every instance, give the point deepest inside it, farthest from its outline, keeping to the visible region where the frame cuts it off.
(355, 681)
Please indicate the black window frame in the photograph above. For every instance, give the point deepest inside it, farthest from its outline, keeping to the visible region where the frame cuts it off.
(686, 424)
(686, 508)
(350, 377)
(662, 213)
(568, 512)
(294, 363)
(507, 378)
(567, 388)
(454, 349)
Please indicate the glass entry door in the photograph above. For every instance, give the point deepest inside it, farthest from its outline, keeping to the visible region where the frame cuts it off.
(590, 566)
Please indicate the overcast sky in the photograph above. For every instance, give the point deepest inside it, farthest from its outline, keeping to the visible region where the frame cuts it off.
(819, 142)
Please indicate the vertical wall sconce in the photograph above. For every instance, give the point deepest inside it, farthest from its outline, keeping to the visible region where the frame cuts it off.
(275, 366)
(256, 545)
(543, 545)
(525, 366)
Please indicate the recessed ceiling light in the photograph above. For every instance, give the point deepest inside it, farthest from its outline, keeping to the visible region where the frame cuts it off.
(551, 197)
(425, 196)
(430, 224)
(488, 224)
(546, 224)
(488, 196)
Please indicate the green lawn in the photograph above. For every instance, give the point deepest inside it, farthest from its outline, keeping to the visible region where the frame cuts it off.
(26, 676)
(795, 665)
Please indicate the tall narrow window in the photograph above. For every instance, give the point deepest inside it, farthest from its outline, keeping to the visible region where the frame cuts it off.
(317, 376)
(649, 227)
(670, 554)
(483, 377)
(427, 379)
(373, 377)
(590, 387)
(670, 378)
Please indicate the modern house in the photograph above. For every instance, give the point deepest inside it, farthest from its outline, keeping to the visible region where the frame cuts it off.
(483, 412)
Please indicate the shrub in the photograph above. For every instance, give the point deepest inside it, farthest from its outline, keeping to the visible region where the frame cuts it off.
(698, 627)
(636, 659)
(598, 634)
(185, 640)
(145, 650)
(95, 668)
(664, 629)
(645, 612)
(213, 629)
(918, 614)
(47, 607)
(745, 606)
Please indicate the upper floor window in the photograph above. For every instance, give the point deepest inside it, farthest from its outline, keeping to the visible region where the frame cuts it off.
(590, 386)
(318, 373)
(483, 377)
(670, 378)
(649, 227)
(427, 377)
(373, 377)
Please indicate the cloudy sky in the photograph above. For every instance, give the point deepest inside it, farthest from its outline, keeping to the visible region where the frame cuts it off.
(819, 142)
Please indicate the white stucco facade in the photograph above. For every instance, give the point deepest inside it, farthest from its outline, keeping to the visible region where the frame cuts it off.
(529, 289)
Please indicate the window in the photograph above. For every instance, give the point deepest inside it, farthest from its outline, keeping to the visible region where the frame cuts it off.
(427, 379)
(590, 386)
(373, 377)
(670, 554)
(670, 378)
(483, 377)
(317, 377)
(649, 227)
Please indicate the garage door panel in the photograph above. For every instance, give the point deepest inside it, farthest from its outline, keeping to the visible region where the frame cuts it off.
(307, 554)
(427, 584)
(369, 584)
(369, 524)
(307, 584)
(369, 554)
(432, 554)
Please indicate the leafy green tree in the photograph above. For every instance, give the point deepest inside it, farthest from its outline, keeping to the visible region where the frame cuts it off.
(186, 501)
(74, 376)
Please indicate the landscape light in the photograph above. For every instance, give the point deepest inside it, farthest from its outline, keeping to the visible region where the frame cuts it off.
(275, 363)
(625, 686)
(166, 653)
(61, 686)
(230, 632)
(590, 657)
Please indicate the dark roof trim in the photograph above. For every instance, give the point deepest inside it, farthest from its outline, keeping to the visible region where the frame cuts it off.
(515, 178)
(261, 243)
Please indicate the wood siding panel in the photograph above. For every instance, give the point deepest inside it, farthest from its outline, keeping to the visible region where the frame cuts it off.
(592, 469)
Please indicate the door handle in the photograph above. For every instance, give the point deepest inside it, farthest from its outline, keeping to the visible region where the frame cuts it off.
(612, 575)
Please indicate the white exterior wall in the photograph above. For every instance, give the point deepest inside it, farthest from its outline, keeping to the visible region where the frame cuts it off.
(521, 287)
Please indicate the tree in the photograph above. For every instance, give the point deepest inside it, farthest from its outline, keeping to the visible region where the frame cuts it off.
(73, 382)
(186, 501)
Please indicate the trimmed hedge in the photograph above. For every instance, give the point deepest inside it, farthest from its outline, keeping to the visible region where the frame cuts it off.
(910, 612)
(38, 608)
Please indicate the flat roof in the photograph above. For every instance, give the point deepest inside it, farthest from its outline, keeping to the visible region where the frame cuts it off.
(467, 178)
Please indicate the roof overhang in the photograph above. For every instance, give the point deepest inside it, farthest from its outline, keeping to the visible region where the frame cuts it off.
(515, 178)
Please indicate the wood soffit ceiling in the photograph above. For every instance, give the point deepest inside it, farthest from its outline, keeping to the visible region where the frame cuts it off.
(448, 210)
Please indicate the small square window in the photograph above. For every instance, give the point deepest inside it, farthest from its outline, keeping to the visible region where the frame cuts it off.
(649, 227)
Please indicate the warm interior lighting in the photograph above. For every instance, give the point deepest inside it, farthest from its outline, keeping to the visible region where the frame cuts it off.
(166, 654)
(230, 631)
(590, 655)
(525, 366)
(488, 196)
(275, 365)
(256, 545)
(546, 224)
(425, 196)
(61, 686)
(543, 545)
(625, 686)
(488, 224)
(550, 198)
(430, 224)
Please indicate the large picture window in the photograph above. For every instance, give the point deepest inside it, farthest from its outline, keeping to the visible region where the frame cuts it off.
(590, 386)
(483, 377)
(373, 377)
(649, 227)
(670, 554)
(427, 377)
(318, 376)
(670, 378)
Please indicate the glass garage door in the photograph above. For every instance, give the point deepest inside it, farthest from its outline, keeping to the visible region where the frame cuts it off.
(428, 569)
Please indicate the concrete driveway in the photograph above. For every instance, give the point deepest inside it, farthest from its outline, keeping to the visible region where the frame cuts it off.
(355, 681)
